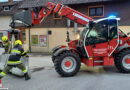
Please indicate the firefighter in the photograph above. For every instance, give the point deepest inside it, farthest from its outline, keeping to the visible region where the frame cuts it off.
(6, 44)
(14, 60)
(113, 32)
(93, 33)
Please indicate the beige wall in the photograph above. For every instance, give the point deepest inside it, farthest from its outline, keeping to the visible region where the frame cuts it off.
(4, 22)
(58, 37)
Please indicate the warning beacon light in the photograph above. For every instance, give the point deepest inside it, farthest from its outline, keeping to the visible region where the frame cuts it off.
(111, 16)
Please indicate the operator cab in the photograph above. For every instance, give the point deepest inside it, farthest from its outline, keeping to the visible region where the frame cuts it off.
(101, 38)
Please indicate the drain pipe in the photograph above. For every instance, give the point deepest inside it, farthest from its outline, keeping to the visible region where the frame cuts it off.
(29, 40)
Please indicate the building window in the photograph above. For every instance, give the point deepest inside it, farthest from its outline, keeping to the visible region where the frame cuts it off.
(24, 37)
(96, 11)
(6, 8)
(56, 16)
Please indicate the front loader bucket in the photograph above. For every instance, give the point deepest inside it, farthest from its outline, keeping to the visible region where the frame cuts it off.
(22, 19)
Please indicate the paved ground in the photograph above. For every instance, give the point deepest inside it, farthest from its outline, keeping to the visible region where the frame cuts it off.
(44, 77)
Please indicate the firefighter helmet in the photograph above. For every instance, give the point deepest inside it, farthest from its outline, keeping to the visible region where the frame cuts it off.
(18, 42)
(4, 38)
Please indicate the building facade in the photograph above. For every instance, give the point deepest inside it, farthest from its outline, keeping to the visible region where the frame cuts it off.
(52, 31)
(7, 9)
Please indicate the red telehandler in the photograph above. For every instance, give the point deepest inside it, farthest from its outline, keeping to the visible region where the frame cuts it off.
(101, 43)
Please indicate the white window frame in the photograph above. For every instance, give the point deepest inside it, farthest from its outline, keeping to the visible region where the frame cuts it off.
(6, 8)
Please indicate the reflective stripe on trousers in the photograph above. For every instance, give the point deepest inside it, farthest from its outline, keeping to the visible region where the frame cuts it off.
(25, 71)
(2, 74)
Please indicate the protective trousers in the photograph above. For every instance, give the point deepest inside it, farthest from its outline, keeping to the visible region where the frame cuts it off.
(9, 67)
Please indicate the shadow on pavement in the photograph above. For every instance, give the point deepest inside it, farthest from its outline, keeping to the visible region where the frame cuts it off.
(36, 69)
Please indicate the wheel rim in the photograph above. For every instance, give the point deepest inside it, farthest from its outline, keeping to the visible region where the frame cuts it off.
(68, 64)
(126, 61)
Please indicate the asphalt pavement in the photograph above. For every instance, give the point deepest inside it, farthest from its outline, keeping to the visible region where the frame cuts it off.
(44, 77)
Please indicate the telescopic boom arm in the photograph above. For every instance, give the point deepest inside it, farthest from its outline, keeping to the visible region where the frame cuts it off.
(61, 10)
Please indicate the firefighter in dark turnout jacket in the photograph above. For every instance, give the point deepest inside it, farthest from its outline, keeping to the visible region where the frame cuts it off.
(14, 60)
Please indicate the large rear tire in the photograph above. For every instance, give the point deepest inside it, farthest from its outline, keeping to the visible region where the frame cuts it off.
(67, 64)
(121, 61)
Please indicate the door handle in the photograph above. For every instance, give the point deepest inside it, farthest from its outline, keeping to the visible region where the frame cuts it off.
(94, 46)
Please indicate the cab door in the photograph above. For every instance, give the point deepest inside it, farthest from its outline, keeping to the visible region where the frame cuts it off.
(97, 40)
(113, 35)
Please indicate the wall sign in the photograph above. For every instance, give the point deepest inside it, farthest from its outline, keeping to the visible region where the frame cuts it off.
(43, 40)
(34, 39)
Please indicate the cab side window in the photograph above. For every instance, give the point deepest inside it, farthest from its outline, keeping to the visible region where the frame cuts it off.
(113, 32)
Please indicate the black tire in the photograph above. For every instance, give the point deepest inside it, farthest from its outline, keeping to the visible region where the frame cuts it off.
(53, 58)
(61, 58)
(119, 60)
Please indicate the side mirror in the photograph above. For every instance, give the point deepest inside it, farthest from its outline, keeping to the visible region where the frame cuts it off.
(91, 23)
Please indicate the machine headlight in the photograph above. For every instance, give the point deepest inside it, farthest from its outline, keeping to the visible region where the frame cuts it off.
(78, 36)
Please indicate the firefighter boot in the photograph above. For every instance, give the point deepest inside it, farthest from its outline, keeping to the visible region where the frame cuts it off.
(26, 76)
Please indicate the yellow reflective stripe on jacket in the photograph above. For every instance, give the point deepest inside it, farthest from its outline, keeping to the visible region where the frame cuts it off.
(25, 70)
(14, 62)
(15, 51)
(3, 73)
(24, 52)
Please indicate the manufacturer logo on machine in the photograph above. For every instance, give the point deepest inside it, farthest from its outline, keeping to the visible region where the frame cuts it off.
(81, 17)
(111, 47)
(100, 51)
